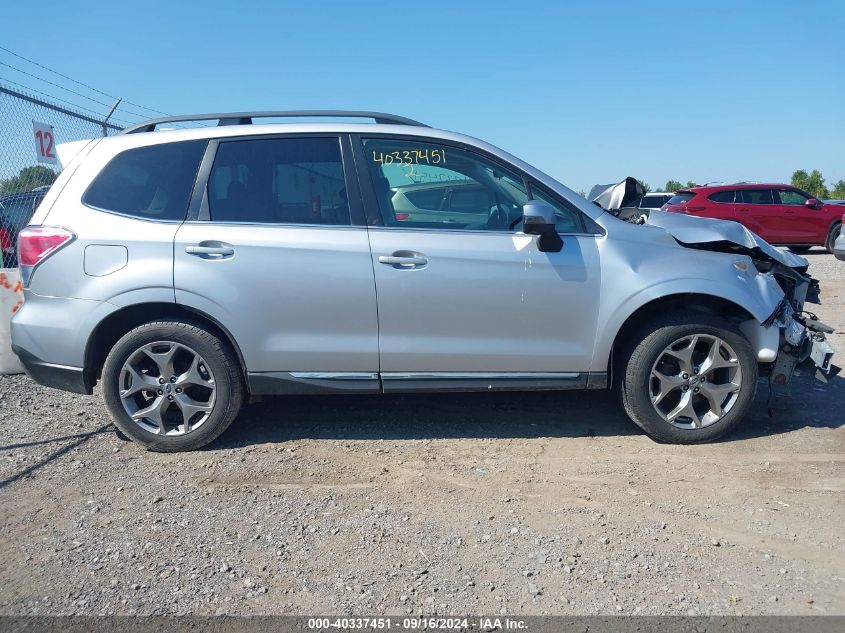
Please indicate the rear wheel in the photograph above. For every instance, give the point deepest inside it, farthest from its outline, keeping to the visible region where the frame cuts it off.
(689, 378)
(834, 232)
(172, 386)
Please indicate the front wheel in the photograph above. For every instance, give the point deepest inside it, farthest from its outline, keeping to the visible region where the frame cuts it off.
(172, 386)
(689, 378)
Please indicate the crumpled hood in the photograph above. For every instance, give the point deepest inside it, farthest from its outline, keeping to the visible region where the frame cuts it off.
(692, 230)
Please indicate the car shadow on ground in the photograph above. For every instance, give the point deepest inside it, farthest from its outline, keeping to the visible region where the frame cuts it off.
(74, 442)
(504, 415)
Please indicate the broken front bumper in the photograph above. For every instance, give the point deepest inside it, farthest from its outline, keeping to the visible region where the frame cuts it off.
(803, 342)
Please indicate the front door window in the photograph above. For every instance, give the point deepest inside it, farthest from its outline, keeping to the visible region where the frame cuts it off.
(434, 186)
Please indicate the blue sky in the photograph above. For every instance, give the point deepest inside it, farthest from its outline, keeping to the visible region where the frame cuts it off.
(586, 91)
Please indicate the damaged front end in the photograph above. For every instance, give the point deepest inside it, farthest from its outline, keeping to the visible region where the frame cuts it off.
(791, 336)
(802, 339)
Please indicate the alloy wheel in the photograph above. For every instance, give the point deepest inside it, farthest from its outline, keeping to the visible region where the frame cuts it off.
(167, 388)
(695, 381)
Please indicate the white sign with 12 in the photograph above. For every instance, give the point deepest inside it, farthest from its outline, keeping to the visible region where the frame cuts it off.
(45, 143)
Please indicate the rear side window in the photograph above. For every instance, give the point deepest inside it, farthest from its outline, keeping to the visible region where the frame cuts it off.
(722, 196)
(757, 196)
(652, 202)
(681, 198)
(279, 181)
(153, 182)
(430, 199)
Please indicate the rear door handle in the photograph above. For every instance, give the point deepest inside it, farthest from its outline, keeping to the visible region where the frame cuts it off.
(211, 250)
(404, 260)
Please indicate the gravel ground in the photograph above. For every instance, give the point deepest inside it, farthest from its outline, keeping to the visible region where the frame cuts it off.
(524, 503)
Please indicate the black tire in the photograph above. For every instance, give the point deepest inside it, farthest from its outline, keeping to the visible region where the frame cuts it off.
(221, 361)
(832, 234)
(796, 248)
(642, 353)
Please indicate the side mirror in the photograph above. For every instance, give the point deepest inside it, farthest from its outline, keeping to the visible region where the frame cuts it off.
(813, 203)
(538, 218)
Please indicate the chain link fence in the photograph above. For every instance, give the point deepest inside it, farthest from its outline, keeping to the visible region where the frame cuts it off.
(30, 129)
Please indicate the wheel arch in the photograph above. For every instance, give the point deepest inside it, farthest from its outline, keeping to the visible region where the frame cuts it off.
(116, 324)
(699, 302)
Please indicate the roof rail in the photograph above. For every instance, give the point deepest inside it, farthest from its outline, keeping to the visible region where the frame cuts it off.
(245, 118)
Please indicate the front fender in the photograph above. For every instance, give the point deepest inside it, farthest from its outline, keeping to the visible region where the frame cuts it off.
(757, 293)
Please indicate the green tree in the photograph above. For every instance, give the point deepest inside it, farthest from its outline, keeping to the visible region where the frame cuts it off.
(646, 186)
(672, 186)
(28, 179)
(691, 183)
(838, 191)
(812, 183)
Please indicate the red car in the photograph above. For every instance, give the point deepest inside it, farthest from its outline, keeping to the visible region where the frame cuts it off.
(780, 214)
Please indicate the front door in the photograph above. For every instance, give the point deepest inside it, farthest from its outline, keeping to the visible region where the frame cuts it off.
(801, 224)
(470, 296)
(274, 258)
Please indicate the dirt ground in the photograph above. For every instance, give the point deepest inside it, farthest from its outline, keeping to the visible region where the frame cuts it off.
(517, 503)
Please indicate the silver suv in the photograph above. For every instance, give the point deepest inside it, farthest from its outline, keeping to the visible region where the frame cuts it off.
(186, 270)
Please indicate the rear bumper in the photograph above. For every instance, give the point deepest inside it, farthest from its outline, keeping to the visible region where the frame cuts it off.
(56, 376)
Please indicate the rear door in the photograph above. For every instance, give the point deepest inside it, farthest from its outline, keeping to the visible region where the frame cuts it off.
(276, 252)
(755, 208)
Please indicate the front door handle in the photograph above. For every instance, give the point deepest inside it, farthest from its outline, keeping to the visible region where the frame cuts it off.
(211, 250)
(404, 260)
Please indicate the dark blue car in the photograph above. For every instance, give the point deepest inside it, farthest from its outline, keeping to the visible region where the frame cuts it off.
(15, 211)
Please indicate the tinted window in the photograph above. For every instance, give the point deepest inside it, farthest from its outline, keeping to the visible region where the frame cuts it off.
(790, 196)
(757, 196)
(468, 199)
(279, 181)
(722, 196)
(652, 202)
(18, 211)
(473, 192)
(152, 182)
(431, 198)
(681, 198)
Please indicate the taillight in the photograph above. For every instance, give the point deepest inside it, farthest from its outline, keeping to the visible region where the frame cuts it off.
(402, 216)
(37, 243)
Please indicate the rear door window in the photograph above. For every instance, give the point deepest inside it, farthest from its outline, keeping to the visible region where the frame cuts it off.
(152, 182)
(757, 196)
(279, 181)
